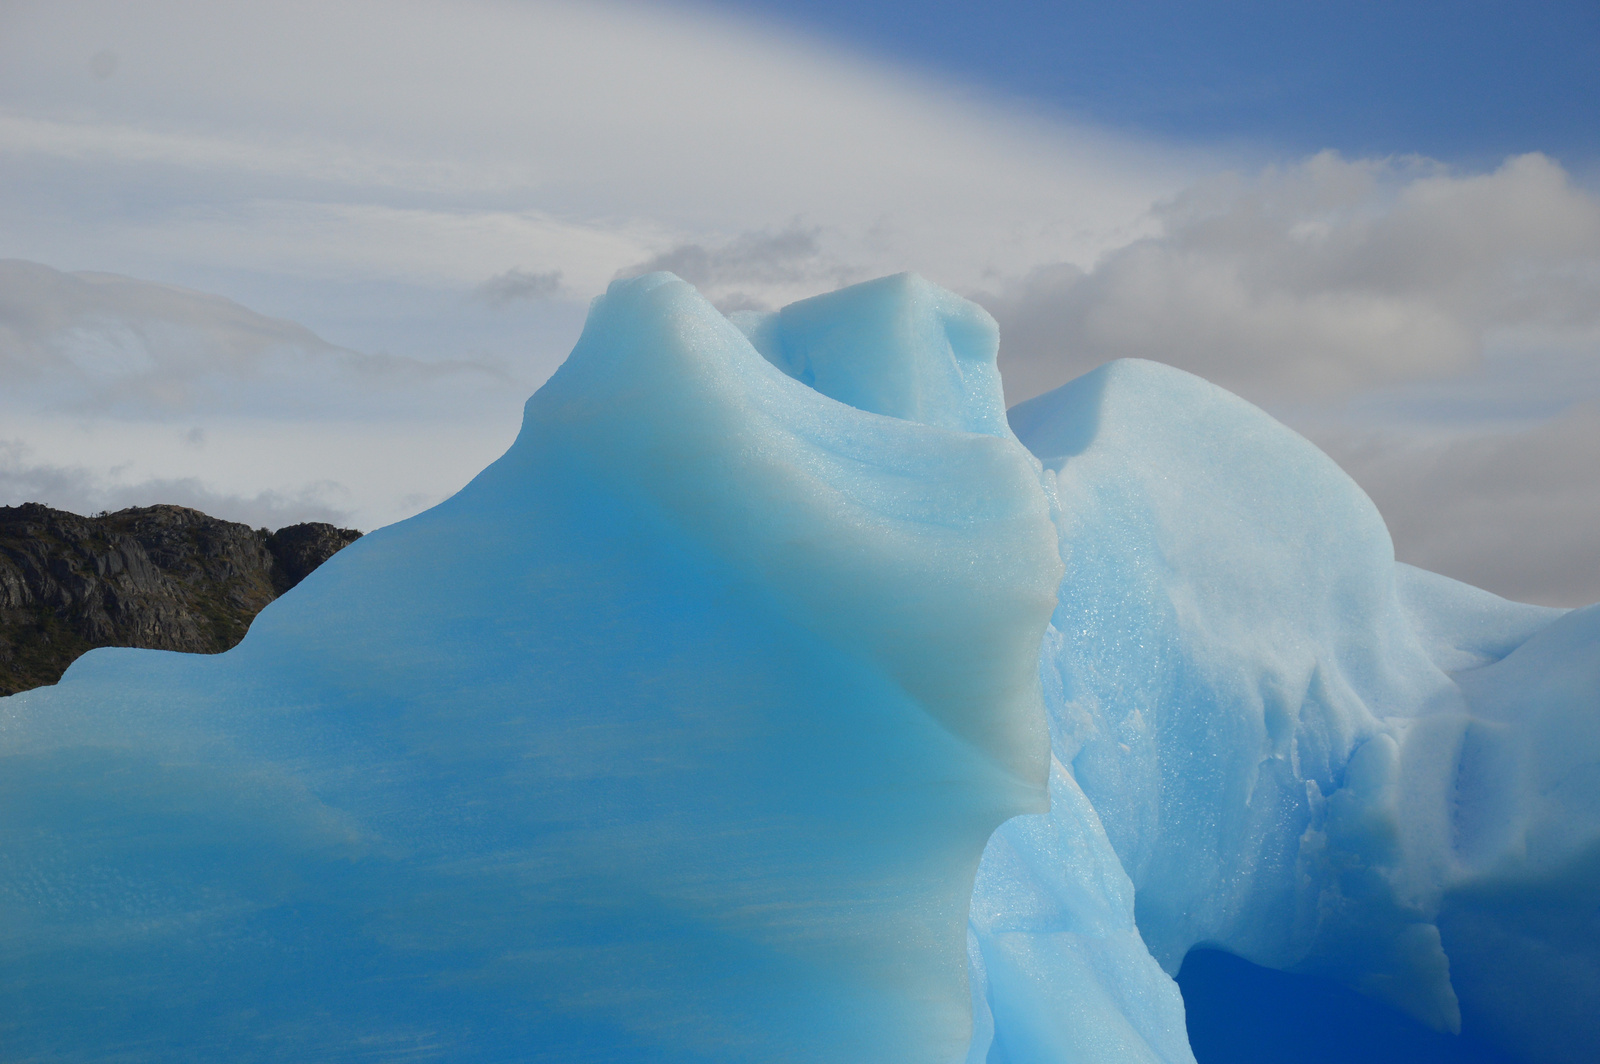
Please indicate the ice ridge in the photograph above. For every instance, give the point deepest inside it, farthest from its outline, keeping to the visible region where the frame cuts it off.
(677, 734)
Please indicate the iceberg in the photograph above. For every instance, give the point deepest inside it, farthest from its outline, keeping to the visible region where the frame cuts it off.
(779, 697)
(1301, 752)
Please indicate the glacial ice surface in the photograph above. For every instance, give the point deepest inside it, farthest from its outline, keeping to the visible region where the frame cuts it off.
(777, 698)
(1299, 751)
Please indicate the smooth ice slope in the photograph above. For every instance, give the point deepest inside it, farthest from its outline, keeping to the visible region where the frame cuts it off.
(675, 736)
(1299, 751)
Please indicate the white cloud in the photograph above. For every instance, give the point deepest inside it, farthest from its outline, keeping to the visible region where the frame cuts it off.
(258, 470)
(450, 249)
(1511, 511)
(1323, 279)
(398, 175)
(94, 141)
(100, 343)
(81, 490)
(123, 392)
(226, 122)
(452, 180)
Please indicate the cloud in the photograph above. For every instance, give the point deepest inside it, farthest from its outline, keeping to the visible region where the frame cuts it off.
(783, 257)
(369, 472)
(547, 144)
(518, 286)
(80, 490)
(364, 196)
(1511, 511)
(96, 342)
(789, 261)
(1321, 279)
(369, 196)
(651, 125)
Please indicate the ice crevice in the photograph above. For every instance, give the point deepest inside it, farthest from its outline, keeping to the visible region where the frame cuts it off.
(780, 696)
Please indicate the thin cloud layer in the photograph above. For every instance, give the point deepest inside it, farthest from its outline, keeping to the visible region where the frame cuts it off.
(80, 490)
(1322, 279)
(755, 271)
(101, 343)
(519, 286)
(259, 470)
(449, 142)
(451, 180)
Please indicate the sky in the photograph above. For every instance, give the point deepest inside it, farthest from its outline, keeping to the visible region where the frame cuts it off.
(290, 261)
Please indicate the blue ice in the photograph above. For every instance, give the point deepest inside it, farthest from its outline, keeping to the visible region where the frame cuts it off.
(776, 697)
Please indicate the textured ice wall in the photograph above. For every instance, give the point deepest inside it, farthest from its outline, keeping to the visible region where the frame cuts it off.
(1300, 751)
(676, 735)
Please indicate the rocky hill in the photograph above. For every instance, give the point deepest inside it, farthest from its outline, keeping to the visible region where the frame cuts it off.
(162, 577)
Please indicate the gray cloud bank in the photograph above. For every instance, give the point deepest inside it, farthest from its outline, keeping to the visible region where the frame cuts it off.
(1321, 279)
(1310, 284)
(744, 272)
(1515, 512)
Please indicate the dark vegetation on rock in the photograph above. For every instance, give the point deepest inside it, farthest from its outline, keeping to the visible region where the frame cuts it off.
(161, 577)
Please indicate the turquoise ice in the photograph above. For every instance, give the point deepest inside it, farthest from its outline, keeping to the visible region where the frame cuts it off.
(1299, 750)
(684, 732)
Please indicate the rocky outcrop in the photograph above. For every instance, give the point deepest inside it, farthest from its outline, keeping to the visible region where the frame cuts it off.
(162, 577)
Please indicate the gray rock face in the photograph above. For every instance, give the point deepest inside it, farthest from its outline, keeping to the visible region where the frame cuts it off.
(161, 577)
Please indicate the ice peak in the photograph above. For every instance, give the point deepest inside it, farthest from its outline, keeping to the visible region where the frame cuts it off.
(899, 346)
